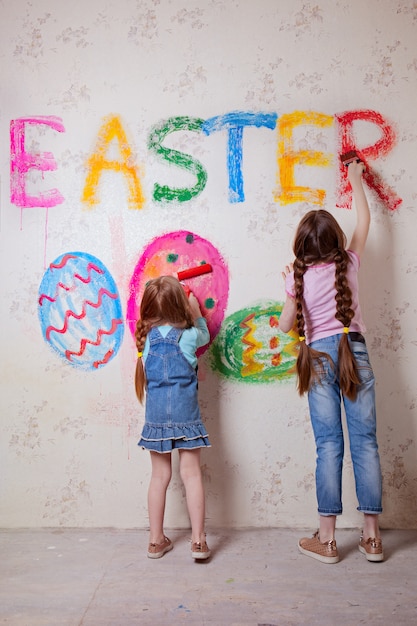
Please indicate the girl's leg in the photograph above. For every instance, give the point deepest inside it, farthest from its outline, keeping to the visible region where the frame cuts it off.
(371, 527)
(325, 414)
(361, 423)
(370, 543)
(190, 472)
(327, 528)
(160, 478)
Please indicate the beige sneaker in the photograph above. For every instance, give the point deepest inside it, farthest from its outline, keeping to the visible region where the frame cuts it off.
(156, 550)
(372, 549)
(200, 551)
(324, 552)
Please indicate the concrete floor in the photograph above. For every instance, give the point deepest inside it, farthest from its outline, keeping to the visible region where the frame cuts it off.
(254, 577)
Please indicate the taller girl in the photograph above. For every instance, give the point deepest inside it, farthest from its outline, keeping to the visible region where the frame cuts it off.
(333, 366)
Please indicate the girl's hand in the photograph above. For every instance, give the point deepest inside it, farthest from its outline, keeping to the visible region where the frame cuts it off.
(194, 306)
(287, 317)
(287, 270)
(355, 171)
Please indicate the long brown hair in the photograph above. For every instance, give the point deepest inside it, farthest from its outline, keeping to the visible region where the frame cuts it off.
(319, 239)
(163, 302)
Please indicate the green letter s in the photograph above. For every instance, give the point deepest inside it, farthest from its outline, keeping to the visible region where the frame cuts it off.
(158, 134)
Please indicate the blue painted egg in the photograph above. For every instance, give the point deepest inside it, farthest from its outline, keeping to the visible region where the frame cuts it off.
(80, 311)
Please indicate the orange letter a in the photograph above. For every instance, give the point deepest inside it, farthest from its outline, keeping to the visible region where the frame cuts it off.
(112, 129)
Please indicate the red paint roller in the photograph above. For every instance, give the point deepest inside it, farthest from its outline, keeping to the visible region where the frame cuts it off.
(205, 268)
(349, 157)
(192, 272)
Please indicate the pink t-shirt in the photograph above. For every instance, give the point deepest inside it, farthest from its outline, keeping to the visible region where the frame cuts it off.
(319, 298)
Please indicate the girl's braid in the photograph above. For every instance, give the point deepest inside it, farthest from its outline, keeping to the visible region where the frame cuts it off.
(344, 311)
(348, 370)
(307, 356)
(142, 329)
(299, 270)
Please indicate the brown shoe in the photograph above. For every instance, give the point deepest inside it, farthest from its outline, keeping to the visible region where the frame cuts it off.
(156, 550)
(372, 549)
(200, 551)
(324, 552)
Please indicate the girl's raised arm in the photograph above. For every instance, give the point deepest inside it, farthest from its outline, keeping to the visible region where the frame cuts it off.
(363, 216)
(287, 317)
(194, 306)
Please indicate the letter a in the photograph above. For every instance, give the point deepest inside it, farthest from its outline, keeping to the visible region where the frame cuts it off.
(110, 130)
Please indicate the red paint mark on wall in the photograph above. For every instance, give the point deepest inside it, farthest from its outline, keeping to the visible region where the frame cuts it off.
(347, 142)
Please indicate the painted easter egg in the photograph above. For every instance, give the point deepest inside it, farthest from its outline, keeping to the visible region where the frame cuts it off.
(80, 310)
(174, 253)
(251, 348)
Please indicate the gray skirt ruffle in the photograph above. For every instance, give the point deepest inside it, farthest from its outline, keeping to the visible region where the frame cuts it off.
(164, 438)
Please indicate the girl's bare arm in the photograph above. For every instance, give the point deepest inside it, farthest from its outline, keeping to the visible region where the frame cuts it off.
(287, 317)
(363, 216)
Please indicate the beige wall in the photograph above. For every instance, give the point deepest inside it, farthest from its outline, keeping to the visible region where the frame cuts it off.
(68, 437)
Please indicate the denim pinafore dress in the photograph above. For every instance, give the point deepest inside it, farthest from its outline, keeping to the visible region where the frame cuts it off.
(172, 414)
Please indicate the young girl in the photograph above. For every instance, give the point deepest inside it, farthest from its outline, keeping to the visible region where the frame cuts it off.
(333, 364)
(168, 333)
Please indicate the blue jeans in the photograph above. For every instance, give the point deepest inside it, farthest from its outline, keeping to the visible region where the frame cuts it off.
(325, 401)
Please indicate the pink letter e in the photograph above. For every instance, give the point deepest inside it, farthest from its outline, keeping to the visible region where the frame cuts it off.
(21, 162)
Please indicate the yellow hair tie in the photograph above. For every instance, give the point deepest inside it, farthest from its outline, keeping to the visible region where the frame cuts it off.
(346, 329)
(301, 338)
(140, 355)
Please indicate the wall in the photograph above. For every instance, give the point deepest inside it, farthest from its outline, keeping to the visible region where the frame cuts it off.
(140, 137)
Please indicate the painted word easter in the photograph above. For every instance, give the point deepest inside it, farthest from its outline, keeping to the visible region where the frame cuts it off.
(232, 123)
